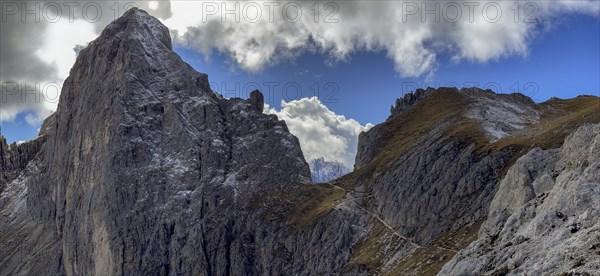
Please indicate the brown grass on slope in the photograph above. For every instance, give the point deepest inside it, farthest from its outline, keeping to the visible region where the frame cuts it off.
(558, 118)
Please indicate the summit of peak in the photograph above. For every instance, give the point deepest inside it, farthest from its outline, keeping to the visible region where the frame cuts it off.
(138, 23)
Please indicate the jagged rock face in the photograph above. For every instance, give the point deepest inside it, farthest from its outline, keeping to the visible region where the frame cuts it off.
(544, 218)
(409, 99)
(323, 171)
(14, 158)
(145, 170)
(437, 185)
(436, 164)
(499, 115)
(422, 179)
(368, 147)
(159, 150)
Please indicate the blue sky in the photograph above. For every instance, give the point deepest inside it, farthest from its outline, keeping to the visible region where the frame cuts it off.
(562, 62)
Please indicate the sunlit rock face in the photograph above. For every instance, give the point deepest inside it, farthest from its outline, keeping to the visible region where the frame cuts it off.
(543, 219)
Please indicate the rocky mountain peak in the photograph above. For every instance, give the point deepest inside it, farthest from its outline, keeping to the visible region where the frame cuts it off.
(257, 100)
(142, 142)
(135, 51)
(408, 100)
(138, 24)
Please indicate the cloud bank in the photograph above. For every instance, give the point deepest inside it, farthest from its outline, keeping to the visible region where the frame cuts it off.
(322, 133)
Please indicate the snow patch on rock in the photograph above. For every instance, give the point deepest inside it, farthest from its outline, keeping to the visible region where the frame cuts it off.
(500, 117)
(14, 197)
(323, 171)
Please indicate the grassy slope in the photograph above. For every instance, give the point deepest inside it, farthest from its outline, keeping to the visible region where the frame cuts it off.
(559, 118)
(400, 133)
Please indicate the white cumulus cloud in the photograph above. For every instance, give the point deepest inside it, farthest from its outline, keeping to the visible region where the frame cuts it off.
(322, 133)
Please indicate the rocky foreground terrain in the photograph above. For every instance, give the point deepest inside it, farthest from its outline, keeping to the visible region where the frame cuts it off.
(143, 170)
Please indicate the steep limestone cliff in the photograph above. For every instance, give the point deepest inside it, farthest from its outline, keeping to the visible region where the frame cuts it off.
(145, 170)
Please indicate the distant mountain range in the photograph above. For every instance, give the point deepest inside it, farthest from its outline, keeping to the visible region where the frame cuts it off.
(323, 171)
(144, 170)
